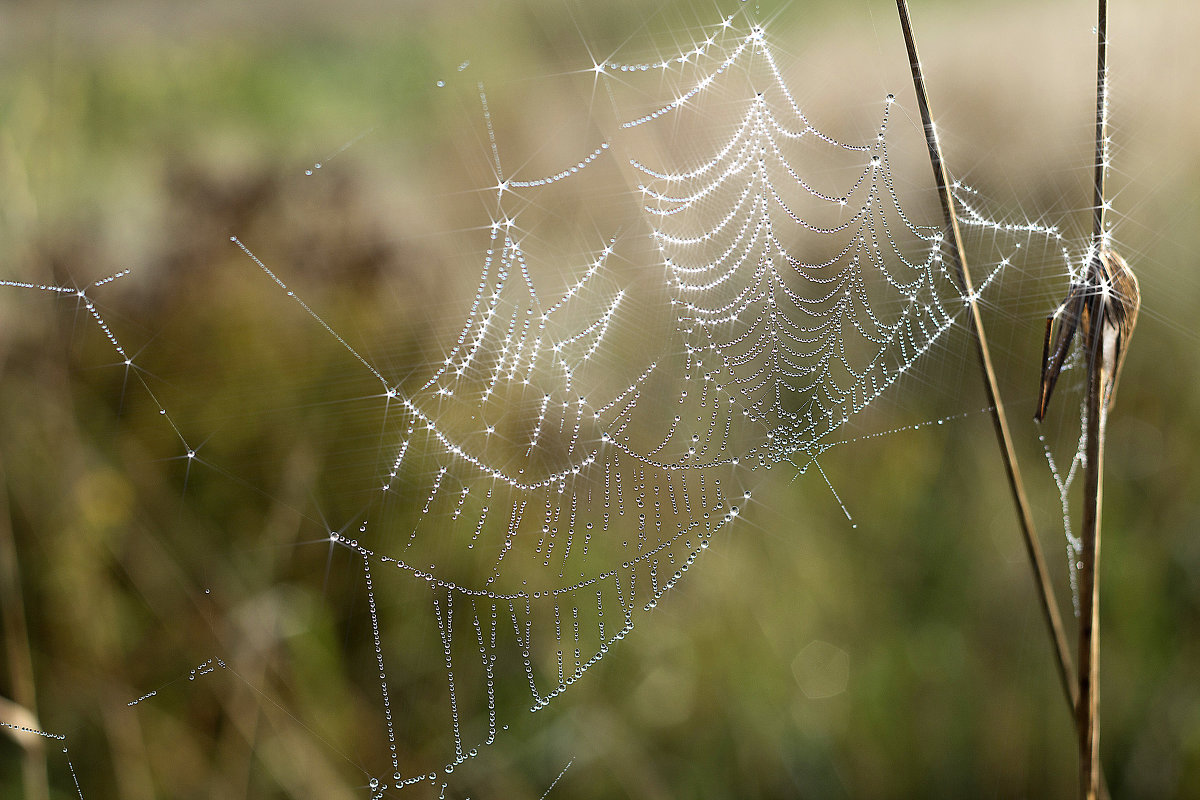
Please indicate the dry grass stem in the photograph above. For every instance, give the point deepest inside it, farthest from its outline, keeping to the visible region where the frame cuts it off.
(23, 705)
(957, 256)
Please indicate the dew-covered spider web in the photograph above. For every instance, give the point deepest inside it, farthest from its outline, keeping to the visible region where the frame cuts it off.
(598, 422)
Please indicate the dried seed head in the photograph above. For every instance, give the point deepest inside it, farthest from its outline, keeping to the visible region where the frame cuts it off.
(1109, 292)
(1121, 298)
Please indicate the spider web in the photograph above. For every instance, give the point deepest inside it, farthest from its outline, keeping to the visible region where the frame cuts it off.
(578, 449)
(538, 508)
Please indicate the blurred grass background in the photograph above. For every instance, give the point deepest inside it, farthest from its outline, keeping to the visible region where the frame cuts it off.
(903, 657)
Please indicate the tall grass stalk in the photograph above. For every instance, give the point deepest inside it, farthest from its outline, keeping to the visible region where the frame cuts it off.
(23, 703)
(954, 251)
(1088, 704)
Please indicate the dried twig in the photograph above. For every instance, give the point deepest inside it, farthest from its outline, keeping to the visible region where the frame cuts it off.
(958, 258)
(1103, 307)
(1113, 318)
(22, 708)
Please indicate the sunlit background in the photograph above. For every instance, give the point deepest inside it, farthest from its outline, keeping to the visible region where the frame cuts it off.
(897, 654)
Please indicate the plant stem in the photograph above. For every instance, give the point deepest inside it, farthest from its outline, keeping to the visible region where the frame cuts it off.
(15, 628)
(958, 258)
(1087, 709)
(1101, 169)
(1087, 717)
